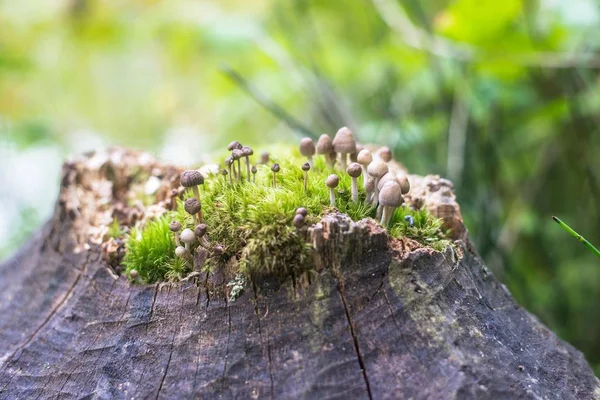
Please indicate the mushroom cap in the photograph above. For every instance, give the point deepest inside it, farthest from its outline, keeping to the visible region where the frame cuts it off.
(389, 176)
(219, 249)
(385, 153)
(324, 145)
(370, 185)
(234, 145)
(306, 167)
(200, 230)
(253, 169)
(404, 183)
(229, 160)
(175, 226)
(134, 274)
(364, 157)
(307, 147)
(391, 194)
(181, 252)
(192, 205)
(264, 157)
(298, 220)
(343, 142)
(275, 167)
(332, 181)
(354, 170)
(302, 210)
(191, 178)
(236, 154)
(187, 236)
(247, 151)
(224, 172)
(377, 169)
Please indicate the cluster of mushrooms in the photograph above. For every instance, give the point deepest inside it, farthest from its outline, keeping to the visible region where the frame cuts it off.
(384, 187)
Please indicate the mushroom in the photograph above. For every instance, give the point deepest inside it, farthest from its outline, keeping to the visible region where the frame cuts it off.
(236, 154)
(354, 156)
(377, 169)
(224, 173)
(193, 206)
(307, 149)
(182, 252)
(188, 237)
(332, 181)
(305, 168)
(192, 178)
(253, 170)
(390, 198)
(275, 168)
(264, 157)
(404, 183)
(385, 153)
(200, 232)
(354, 170)
(229, 163)
(369, 188)
(325, 148)
(298, 221)
(364, 158)
(302, 210)
(247, 152)
(175, 227)
(134, 275)
(234, 145)
(344, 144)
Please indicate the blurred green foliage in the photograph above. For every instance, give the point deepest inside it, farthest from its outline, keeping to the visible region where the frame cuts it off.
(500, 96)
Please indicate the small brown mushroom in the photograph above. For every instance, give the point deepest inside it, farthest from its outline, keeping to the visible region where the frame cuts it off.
(332, 181)
(376, 170)
(192, 178)
(224, 173)
(264, 157)
(325, 148)
(354, 170)
(307, 149)
(302, 210)
(298, 221)
(175, 227)
(344, 144)
(364, 158)
(390, 198)
(193, 207)
(369, 188)
(237, 154)
(253, 170)
(229, 163)
(305, 168)
(404, 183)
(275, 168)
(200, 232)
(247, 152)
(354, 156)
(385, 154)
(234, 145)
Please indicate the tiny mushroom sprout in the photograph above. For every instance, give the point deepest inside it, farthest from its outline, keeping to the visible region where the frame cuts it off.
(344, 144)
(305, 168)
(236, 154)
(134, 275)
(229, 163)
(404, 183)
(234, 145)
(302, 210)
(193, 207)
(200, 232)
(377, 169)
(354, 170)
(307, 149)
(188, 237)
(224, 173)
(247, 152)
(175, 227)
(391, 198)
(325, 148)
(253, 170)
(364, 158)
(275, 168)
(385, 154)
(182, 252)
(332, 181)
(264, 157)
(369, 187)
(191, 179)
(298, 221)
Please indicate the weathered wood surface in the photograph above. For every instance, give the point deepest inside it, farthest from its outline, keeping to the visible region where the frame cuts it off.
(382, 319)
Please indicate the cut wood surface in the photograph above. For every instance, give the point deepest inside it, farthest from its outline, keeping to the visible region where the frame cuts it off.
(379, 318)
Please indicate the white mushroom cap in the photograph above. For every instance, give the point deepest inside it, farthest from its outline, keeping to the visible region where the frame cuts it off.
(377, 169)
(364, 157)
(307, 147)
(181, 252)
(391, 194)
(343, 142)
(324, 145)
(188, 236)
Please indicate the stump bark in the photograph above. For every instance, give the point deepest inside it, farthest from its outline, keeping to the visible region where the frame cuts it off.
(380, 318)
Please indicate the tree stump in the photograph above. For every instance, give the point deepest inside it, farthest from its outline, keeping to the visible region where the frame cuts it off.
(379, 318)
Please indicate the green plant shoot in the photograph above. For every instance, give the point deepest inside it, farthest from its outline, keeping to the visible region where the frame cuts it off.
(577, 236)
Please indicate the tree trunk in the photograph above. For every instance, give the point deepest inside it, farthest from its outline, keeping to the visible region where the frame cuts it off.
(381, 317)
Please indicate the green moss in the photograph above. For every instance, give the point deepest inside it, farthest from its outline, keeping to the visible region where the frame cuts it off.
(253, 221)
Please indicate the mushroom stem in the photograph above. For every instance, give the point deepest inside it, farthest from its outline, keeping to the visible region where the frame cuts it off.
(375, 199)
(354, 190)
(305, 180)
(230, 175)
(239, 169)
(274, 179)
(310, 161)
(332, 197)
(379, 211)
(196, 192)
(343, 161)
(388, 212)
(248, 168)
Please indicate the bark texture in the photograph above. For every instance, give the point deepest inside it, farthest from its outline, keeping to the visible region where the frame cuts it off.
(381, 318)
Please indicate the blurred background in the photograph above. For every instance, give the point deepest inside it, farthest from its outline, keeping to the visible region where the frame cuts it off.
(502, 97)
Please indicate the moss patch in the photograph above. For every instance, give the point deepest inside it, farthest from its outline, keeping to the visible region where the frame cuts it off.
(252, 221)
